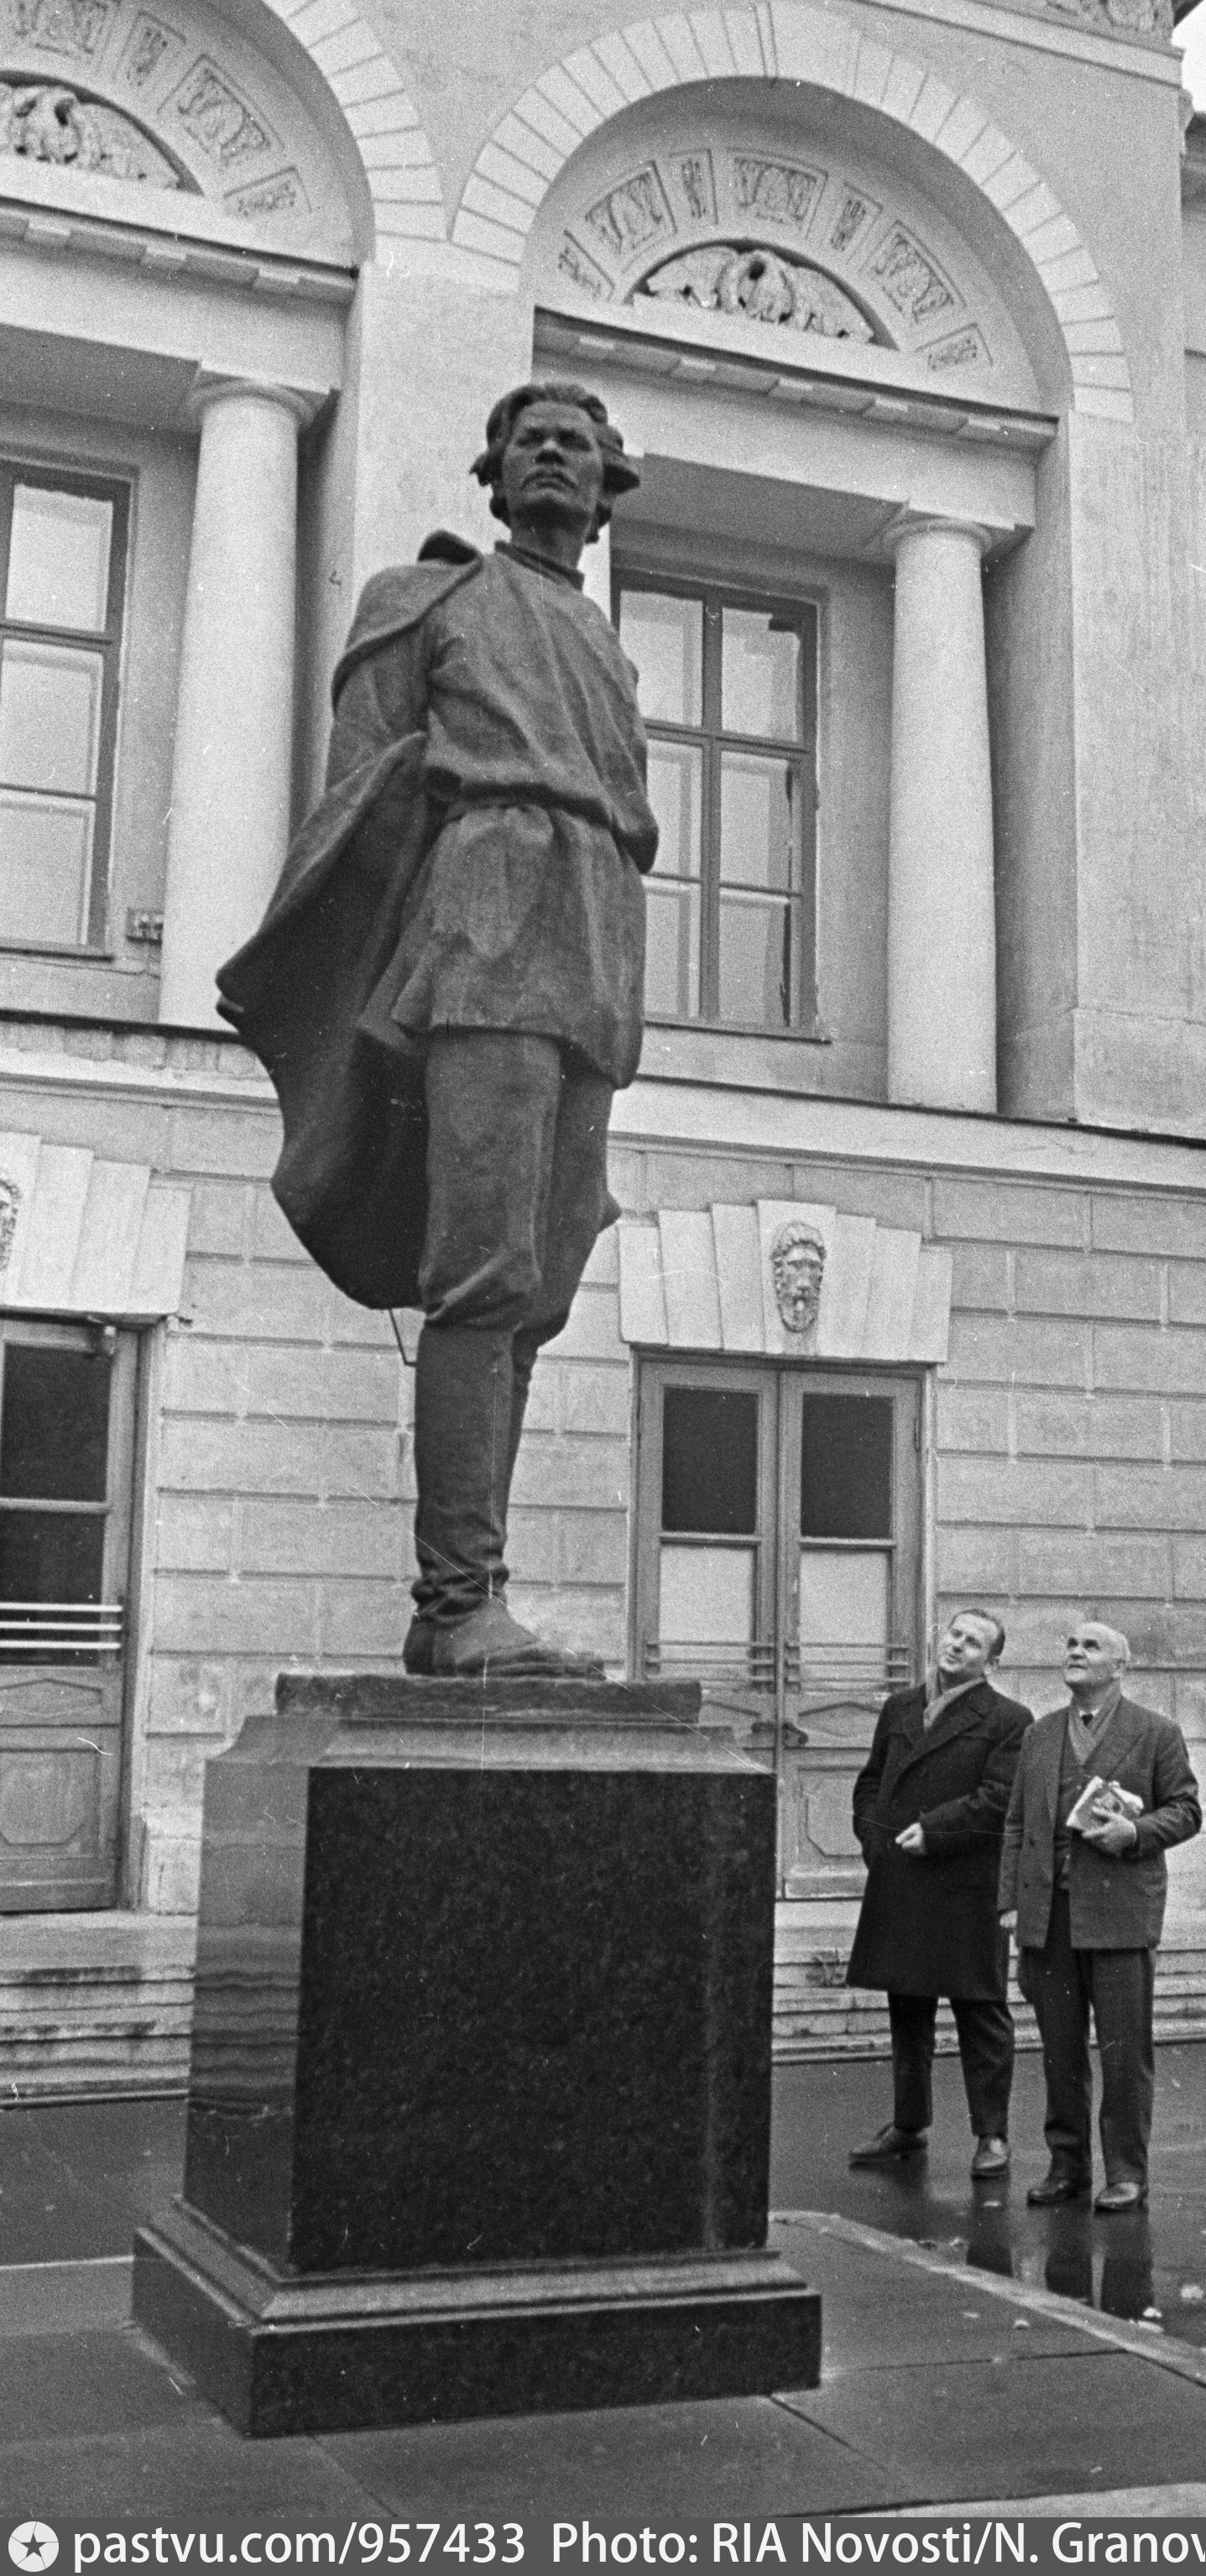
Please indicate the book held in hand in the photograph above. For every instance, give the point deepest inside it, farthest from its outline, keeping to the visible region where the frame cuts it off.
(1102, 1799)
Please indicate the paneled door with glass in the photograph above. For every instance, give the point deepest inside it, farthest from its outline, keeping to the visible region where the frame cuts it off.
(66, 1431)
(778, 1562)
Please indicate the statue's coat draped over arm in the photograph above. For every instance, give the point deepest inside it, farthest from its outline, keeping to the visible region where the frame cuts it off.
(351, 1175)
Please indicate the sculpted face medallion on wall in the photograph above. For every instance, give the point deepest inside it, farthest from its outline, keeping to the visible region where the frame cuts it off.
(797, 1271)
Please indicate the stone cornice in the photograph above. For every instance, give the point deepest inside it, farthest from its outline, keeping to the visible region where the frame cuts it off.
(190, 1069)
(706, 349)
(168, 241)
(1050, 30)
(726, 1118)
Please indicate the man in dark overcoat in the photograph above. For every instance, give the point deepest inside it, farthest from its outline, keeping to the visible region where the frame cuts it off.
(1087, 1904)
(448, 985)
(929, 1811)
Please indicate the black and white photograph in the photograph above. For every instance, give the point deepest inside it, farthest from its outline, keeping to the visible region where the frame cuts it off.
(602, 1284)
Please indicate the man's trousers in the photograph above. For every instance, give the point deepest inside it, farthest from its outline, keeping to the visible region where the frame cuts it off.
(1063, 1984)
(517, 1193)
(986, 2054)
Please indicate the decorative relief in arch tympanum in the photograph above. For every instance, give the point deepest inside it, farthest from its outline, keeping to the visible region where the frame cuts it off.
(43, 121)
(1116, 17)
(772, 239)
(763, 285)
(155, 94)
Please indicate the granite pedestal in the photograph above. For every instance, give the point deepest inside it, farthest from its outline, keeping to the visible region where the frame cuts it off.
(480, 2098)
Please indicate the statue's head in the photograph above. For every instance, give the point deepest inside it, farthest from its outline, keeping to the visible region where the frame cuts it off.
(552, 452)
(797, 1269)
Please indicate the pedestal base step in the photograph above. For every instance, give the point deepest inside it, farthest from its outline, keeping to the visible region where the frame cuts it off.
(319, 2355)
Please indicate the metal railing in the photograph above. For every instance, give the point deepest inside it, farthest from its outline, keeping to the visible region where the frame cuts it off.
(52, 1632)
(765, 1665)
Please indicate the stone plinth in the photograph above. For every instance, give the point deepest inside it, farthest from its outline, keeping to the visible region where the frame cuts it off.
(480, 2098)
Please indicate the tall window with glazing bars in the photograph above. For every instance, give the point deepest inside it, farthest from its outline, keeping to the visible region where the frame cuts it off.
(728, 689)
(62, 588)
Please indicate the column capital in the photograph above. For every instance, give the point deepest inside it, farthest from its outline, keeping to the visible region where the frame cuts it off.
(932, 523)
(210, 389)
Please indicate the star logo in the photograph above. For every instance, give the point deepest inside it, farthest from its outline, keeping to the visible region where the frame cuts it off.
(33, 2545)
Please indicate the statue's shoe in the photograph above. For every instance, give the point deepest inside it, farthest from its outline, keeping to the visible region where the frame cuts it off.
(490, 1642)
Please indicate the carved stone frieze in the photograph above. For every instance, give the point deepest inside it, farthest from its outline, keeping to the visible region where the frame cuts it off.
(74, 29)
(698, 186)
(963, 348)
(151, 48)
(282, 194)
(784, 190)
(42, 121)
(631, 216)
(583, 272)
(219, 120)
(763, 285)
(853, 222)
(910, 278)
(794, 244)
(1150, 18)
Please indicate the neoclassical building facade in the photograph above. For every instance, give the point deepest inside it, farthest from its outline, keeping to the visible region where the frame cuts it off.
(902, 306)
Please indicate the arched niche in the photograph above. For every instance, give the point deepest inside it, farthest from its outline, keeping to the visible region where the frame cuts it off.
(781, 211)
(140, 103)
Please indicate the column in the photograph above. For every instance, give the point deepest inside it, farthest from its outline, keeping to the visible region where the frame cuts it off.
(232, 768)
(941, 924)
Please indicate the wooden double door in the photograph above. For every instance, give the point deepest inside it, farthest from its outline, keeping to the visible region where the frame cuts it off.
(778, 1560)
(66, 1467)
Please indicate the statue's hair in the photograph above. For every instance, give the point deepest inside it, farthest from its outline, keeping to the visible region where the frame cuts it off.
(619, 473)
(987, 1619)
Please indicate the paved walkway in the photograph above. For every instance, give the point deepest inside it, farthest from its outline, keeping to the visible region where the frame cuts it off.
(943, 2381)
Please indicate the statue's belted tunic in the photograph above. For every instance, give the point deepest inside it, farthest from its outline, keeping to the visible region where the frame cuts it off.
(530, 914)
(447, 988)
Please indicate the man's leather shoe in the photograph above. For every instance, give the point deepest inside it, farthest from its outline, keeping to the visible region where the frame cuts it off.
(489, 1642)
(1056, 2188)
(991, 2157)
(889, 2146)
(1121, 2195)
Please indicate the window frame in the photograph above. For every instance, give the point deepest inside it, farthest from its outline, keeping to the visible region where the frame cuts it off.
(906, 1627)
(115, 1509)
(107, 642)
(713, 741)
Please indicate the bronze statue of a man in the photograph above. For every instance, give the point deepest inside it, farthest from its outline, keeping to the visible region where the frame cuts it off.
(447, 986)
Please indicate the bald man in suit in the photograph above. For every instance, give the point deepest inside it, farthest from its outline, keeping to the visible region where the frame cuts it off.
(1087, 1905)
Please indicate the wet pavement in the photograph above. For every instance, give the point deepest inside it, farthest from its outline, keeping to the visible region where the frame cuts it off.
(1149, 2268)
(77, 2178)
(936, 2384)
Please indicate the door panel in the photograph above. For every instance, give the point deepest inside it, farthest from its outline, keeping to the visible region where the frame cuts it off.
(706, 1574)
(851, 1543)
(66, 1431)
